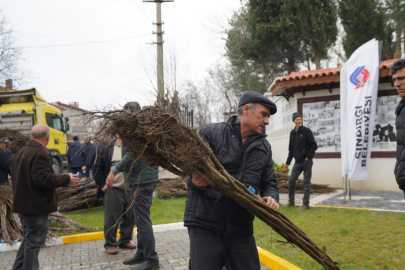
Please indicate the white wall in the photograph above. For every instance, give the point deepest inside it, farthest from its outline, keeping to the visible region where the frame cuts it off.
(328, 171)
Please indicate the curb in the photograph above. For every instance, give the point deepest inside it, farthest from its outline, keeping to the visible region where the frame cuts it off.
(274, 262)
(267, 258)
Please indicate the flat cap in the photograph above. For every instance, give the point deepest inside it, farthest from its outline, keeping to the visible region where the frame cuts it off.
(255, 97)
(2, 141)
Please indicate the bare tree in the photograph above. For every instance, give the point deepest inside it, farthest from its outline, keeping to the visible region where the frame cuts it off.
(10, 55)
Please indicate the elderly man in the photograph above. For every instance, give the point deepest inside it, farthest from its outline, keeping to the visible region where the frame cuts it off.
(4, 164)
(221, 230)
(34, 195)
(398, 76)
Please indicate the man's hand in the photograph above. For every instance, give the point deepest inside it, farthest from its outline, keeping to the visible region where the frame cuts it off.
(104, 188)
(198, 181)
(84, 168)
(110, 179)
(271, 202)
(306, 158)
(73, 179)
(286, 167)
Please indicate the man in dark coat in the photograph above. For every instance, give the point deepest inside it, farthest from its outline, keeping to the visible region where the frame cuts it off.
(8, 152)
(220, 229)
(4, 164)
(76, 156)
(92, 154)
(302, 147)
(34, 195)
(398, 76)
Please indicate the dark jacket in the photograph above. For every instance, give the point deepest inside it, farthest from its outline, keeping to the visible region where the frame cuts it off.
(148, 175)
(76, 155)
(250, 164)
(4, 168)
(400, 163)
(86, 150)
(33, 180)
(302, 145)
(9, 155)
(94, 151)
(102, 167)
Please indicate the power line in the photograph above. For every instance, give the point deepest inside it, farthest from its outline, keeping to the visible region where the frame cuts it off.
(77, 44)
(102, 76)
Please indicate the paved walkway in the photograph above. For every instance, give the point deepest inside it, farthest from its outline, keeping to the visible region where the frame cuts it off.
(172, 247)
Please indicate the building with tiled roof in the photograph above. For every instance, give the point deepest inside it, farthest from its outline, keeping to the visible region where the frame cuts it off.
(78, 120)
(316, 95)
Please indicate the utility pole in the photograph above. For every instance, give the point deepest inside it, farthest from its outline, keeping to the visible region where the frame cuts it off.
(159, 42)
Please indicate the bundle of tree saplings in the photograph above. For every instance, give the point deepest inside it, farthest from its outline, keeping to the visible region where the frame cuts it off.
(11, 230)
(81, 196)
(159, 138)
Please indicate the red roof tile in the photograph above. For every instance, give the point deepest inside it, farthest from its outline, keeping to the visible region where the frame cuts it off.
(311, 74)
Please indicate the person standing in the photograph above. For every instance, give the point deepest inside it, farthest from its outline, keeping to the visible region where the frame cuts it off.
(220, 229)
(397, 72)
(146, 255)
(8, 152)
(302, 147)
(4, 164)
(34, 195)
(86, 151)
(93, 153)
(76, 156)
(117, 199)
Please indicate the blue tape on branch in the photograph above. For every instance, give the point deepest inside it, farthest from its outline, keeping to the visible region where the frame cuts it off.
(92, 182)
(58, 208)
(82, 186)
(8, 230)
(2, 241)
(87, 191)
(16, 240)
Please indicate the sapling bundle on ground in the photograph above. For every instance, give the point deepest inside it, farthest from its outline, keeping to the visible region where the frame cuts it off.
(159, 138)
(11, 230)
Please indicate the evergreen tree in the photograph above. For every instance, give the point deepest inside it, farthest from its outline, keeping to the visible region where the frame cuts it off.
(362, 21)
(311, 23)
(396, 12)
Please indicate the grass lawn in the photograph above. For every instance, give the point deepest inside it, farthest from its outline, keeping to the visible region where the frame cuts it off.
(356, 239)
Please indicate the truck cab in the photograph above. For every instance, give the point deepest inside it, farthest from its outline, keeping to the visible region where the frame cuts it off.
(21, 110)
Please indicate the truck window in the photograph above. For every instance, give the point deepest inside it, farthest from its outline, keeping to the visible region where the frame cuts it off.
(54, 121)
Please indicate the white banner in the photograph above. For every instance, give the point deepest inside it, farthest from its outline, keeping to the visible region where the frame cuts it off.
(358, 97)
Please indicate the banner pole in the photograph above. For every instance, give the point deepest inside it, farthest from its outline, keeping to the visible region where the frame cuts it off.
(344, 188)
(350, 191)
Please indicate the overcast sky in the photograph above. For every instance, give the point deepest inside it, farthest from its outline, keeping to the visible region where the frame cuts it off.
(118, 65)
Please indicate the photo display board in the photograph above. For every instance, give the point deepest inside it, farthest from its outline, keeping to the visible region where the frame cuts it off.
(322, 116)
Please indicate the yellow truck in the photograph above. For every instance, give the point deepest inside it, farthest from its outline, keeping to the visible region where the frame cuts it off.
(22, 109)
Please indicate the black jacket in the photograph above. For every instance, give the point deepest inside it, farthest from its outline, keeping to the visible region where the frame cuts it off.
(102, 167)
(302, 145)
(250, 164)
(4, 168)
(400, 164)
(33, 180)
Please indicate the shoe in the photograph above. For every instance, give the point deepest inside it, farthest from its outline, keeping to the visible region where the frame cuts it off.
(134, 260)
(112, 250)
(304, 207)
(128, 245)
(147, 265)
(289, 204)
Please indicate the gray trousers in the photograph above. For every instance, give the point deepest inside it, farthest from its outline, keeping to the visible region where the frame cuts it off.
(209, 250)
(145, 237)
(116, 202)
(306, 166)
(35, 230)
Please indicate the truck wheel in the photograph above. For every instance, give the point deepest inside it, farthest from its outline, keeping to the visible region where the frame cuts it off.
(55, 166)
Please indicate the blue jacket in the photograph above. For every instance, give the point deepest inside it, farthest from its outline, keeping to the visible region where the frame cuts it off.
(94, 151)
(76, 155)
